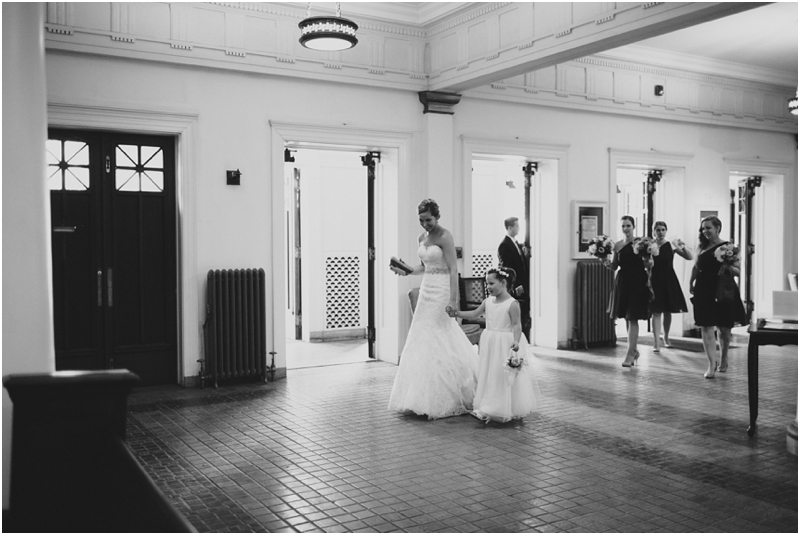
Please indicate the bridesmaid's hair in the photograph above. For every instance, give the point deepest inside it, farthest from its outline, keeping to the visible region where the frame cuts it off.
(660, 224)
(714, 221)
(629, 218)
(505, 274)
(428, 205)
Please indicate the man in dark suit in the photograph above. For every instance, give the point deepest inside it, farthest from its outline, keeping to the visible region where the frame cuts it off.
(515, 255)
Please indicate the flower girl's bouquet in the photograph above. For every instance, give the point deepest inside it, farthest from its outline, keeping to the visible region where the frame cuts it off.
(728, 256)
(645, 247)
(600, 246)
(515, 362)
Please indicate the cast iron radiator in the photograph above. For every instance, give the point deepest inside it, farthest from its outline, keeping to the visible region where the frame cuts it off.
(594, 284)
(235, 328)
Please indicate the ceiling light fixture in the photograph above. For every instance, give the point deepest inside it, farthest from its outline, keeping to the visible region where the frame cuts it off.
(793, 104)
(327, 33)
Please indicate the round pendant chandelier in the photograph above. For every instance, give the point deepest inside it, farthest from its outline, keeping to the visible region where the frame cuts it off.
(327, 33)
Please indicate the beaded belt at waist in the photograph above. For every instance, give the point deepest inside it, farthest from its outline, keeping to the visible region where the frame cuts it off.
(437, 271)
(501, 330)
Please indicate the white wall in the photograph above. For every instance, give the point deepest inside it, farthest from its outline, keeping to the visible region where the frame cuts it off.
(589, 137)
(234, 112)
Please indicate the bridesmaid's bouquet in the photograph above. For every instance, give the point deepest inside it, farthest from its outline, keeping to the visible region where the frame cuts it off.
(728, 256)
(645, 247)
(600, 246)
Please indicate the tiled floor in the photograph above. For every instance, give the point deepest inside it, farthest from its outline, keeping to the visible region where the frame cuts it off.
(656, 448)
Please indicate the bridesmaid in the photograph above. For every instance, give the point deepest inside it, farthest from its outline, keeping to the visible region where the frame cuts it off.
(631, 295)
(668, 296)
(708, 313)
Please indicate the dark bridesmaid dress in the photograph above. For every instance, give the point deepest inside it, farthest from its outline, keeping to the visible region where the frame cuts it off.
(707, 311)
(666, 287)
(631, 297)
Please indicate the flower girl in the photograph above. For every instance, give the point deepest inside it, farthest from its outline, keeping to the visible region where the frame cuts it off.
(507, 388)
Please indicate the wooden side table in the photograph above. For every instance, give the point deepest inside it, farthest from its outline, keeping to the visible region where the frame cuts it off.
(761, 337)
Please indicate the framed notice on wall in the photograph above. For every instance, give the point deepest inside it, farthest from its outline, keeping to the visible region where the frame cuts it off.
(588, 221)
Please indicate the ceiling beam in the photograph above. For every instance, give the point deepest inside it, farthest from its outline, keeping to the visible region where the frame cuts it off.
(626, 25)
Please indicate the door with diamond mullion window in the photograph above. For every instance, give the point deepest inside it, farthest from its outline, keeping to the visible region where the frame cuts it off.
(141, 256)
(132, 244)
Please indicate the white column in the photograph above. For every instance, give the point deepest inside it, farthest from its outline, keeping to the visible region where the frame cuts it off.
(439, 139)
(27, 281)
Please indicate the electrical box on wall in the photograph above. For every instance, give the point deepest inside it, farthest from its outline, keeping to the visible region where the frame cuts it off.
(234, 177)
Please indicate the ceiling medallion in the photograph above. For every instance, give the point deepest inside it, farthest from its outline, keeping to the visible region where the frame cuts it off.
(327, 33)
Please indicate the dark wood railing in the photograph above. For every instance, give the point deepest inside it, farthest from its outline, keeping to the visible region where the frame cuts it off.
(70, 468)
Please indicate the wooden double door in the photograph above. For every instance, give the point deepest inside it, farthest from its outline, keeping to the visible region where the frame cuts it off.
(113, 216)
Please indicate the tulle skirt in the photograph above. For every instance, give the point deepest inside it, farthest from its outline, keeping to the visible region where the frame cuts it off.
(504, 394)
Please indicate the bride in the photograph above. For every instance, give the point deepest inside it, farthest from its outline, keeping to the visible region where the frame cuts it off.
(436, 376)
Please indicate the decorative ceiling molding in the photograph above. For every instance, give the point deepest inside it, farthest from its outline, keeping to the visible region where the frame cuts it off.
(674, 61)
(458, 21)
(619, 64)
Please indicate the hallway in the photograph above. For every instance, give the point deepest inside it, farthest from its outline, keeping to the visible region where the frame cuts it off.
(656, 448)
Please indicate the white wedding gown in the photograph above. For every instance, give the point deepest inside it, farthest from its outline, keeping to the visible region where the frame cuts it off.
(436, 376)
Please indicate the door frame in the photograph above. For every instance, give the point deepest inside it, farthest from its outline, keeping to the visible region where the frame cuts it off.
(182, 125)
(665, 161)
(767, 276)
(391, 322)
(549, 326)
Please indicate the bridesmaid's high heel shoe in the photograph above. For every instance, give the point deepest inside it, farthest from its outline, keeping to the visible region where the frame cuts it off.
(720, 369)
(710, 375)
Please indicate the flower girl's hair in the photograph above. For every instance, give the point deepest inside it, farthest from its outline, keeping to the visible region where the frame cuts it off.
(504, 273)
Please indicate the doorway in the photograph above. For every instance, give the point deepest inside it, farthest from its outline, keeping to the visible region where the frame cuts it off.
(330, 251)
(755, 224)
(113, 216)
(649, 194)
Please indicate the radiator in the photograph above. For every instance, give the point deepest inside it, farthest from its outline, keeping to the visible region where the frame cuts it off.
(235, 328)
(594, 284)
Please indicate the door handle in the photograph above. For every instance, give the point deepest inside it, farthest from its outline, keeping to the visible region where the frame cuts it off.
(110, 282)
(99, 288)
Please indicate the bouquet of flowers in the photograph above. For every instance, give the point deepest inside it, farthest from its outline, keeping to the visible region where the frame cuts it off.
(515, 361)
(728, 256)
(645, 247)
(514, 364)
(600, 246)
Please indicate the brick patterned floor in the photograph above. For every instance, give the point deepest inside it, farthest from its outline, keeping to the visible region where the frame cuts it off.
(656, 448)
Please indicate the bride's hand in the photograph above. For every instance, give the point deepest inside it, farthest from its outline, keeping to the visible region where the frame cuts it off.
(397, 271)
(452, 305)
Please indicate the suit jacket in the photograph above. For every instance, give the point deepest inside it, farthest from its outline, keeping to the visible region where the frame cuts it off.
(509, 256)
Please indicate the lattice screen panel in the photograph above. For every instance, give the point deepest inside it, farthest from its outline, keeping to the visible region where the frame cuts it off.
(481, 263)
(342, 292)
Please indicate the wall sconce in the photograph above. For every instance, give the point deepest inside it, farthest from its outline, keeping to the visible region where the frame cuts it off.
(659, 91)
(233, 177)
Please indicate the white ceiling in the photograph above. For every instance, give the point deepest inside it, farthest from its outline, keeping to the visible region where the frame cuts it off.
(762, 39)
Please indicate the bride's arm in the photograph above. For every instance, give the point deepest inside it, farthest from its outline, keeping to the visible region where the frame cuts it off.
(470, 314)
(449, 249)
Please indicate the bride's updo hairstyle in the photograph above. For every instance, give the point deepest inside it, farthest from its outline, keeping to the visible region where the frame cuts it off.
(505, 274)
(428, 205)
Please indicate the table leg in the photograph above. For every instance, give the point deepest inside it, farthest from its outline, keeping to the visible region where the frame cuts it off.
(752, 383)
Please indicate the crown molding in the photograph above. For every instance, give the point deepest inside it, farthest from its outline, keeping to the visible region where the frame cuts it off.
(550, 98)
(698, 66)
